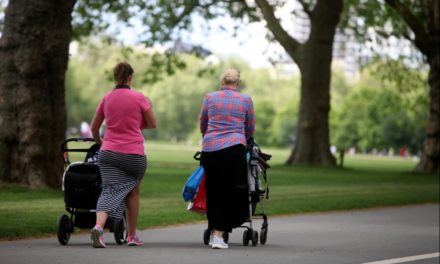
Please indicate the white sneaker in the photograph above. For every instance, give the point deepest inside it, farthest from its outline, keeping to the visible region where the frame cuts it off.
(218, 243)
(97, 236)
(211, 237)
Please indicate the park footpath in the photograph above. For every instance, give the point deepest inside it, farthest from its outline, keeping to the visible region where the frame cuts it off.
(375, 236)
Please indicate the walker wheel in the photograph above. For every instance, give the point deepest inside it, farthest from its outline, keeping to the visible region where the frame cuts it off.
(246, 237)
(254, 238)
(263, 235)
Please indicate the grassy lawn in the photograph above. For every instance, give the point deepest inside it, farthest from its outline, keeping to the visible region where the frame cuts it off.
(364, 182)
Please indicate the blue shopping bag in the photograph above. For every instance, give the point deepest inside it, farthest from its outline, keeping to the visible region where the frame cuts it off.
(192, 184)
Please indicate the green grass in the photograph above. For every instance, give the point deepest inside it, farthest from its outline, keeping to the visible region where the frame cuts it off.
(365, 182)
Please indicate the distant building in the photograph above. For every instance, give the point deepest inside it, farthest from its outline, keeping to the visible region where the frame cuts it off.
(184, 47)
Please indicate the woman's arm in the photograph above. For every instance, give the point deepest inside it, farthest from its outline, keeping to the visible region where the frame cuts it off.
(204, 116)
(250, 120)
(96, 124)
(149, 119)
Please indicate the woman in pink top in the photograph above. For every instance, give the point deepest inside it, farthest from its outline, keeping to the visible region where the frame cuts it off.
(122, 160)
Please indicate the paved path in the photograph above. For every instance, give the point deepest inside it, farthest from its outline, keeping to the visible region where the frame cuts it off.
(341, 237)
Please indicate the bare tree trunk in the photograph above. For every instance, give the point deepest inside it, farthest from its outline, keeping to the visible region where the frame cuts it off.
(314, 60)
(312, 141)
(33, 61)
(430, 160)
(430, 47)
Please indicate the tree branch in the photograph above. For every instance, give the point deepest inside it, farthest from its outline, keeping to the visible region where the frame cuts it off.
(421, 36)
(306, 8)
(290, 44)
(189, 7)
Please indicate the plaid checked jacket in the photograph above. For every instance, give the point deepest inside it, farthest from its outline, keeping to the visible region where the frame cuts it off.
(226, 119)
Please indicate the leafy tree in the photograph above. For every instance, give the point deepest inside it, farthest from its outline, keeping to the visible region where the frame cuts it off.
(312, 140)
(89, 76)
(79, 106)
(165, 19)
(284, 126)
(36, 42)
(178, 99)
(418, 23)
(379, 114)
(264, 114)
(404, 127)
(340, 87)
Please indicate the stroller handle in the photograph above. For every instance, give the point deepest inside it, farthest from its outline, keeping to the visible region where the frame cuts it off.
(65, 150)
(64, 145)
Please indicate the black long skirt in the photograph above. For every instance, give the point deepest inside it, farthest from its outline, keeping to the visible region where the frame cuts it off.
(226, 187)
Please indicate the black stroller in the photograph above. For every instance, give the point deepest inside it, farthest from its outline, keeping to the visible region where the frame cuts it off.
(82, 187)
(258, 190)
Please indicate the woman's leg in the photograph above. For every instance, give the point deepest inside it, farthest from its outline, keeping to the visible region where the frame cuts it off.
(97, 231)
(132, 210)
(121, 175)
(101, 218)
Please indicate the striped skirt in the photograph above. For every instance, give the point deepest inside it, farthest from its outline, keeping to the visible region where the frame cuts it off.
(120, 174)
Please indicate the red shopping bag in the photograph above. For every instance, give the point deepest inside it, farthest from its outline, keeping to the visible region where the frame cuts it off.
(199, 203)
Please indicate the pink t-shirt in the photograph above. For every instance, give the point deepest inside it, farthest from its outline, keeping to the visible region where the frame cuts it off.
(122, 109)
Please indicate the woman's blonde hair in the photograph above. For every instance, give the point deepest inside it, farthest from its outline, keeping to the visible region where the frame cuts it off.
(230, 76)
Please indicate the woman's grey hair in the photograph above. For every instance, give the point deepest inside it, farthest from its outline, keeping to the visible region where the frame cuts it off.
(230, 76)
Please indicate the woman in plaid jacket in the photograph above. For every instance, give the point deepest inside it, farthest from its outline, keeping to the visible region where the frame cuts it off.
(226, 121)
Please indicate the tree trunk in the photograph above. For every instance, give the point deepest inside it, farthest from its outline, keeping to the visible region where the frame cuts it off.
(312, 141)
(33, 61)
(430, 47)
(430, 159)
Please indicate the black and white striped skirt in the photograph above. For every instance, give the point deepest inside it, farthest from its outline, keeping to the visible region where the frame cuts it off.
(120, 174)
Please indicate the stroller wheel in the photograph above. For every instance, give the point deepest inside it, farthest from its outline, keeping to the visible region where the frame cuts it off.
(263, 235)
(206, 236)
(254, 238)
(64, 228)
(119, 231)
(246, 237)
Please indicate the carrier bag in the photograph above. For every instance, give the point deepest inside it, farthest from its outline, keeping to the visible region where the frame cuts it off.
(192, 184)
(199, 203)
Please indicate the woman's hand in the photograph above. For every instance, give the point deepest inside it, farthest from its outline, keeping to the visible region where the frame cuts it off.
(98, 140)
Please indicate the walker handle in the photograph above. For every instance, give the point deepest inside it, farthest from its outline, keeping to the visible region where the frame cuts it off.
(197, 155)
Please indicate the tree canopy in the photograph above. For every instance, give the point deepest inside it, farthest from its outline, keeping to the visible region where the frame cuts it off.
(381, 114)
